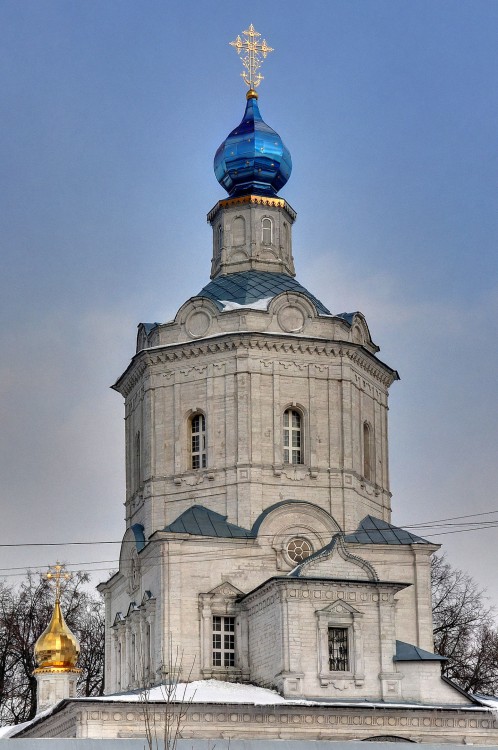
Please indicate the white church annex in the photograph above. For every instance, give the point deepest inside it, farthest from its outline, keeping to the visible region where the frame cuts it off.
(258, 541)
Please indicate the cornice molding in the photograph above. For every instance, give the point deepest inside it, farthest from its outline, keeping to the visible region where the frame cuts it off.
(255, 200)
(227, 342)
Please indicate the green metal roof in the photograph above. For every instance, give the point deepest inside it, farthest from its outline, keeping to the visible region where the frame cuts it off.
(409, 652)
(200, 521)
(248, 287)
(375, 531)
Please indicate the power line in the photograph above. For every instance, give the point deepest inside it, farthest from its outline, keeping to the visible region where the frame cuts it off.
(470, 526)
(441, 523)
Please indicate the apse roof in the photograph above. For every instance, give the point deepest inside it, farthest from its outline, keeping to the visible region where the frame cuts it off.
(201, 521)
(375, 531)
(249, 287)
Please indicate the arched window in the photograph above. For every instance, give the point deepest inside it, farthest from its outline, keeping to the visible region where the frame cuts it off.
(133, 659)
(119, 661)
(286, 237)
(266, 231)
(198, 442)
(138, 460)
(238, 231)
(367, 452)
(220, 236)
(293, 437)
(147, 655)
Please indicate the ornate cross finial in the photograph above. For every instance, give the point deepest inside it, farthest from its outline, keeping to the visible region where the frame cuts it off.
(251, 61)
(57, 573)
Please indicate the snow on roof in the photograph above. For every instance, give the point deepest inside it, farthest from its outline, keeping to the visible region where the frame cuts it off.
(203, 691)
(487, 700)
(260, 304)
(10, 731)
(216, 691)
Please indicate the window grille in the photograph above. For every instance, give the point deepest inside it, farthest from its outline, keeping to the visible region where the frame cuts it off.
(198, 442)
(293, 437)
(338, 650)
(223, 641)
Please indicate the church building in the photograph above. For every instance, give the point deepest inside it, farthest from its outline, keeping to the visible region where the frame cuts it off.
(259, 548)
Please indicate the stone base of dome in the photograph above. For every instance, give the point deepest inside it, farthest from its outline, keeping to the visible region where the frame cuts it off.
(54, 684)
(252, 233)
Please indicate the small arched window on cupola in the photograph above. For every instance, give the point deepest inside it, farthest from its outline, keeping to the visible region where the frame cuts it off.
(220, 236)
(293, 437)
(286, 238)
(368, 452)
(266, 231)
(198, 453)
(238, 231)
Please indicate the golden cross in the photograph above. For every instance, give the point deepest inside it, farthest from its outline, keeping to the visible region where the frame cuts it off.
(57, 573)
(252, 59)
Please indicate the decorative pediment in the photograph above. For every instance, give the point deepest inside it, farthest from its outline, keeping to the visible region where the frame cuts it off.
(335, 561)
(341, 608)
(226, 589)
(132, 608)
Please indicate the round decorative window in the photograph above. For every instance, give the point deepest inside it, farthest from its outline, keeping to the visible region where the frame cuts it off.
(299, 549)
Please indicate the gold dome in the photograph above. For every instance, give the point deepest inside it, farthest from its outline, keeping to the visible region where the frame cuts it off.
(57, 649)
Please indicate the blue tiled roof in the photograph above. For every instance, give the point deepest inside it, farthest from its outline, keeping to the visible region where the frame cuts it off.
(375, 531)
(409, 652)
(247, 287)
(201, 521)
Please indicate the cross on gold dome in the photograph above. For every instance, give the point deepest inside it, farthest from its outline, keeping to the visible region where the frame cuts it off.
(251, 61)
(57, 573)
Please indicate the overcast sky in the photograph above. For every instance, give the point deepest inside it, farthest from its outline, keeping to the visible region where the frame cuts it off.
(112, 111)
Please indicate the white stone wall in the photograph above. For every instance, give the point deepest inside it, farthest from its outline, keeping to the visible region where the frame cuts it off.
(178, 569)
(239, 241)
(449, 726)
(243, 388)
(242, 369)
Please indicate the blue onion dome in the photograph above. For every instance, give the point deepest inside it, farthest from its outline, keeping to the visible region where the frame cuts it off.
(253, 158)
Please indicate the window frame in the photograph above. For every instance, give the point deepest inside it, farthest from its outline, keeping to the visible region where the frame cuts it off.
(198, 455)
(290, 431)
(302, 538)
(225, 653)
(340, 615)
(368, 452)
(223, 602)
(264, 228)
(344, 659)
